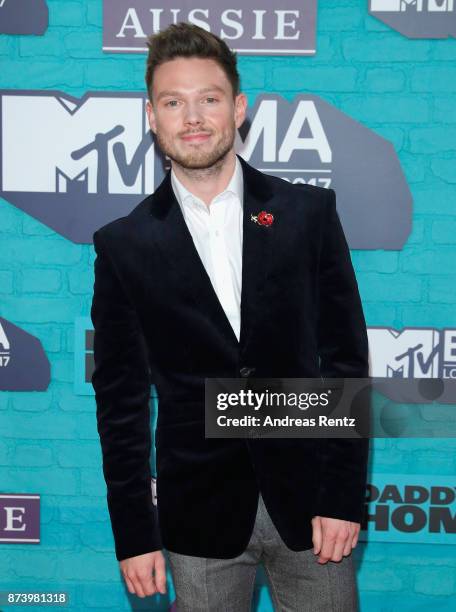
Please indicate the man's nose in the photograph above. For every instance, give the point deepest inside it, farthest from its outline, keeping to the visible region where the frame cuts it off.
(193, 114)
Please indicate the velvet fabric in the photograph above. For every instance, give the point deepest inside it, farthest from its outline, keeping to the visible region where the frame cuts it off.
(157, 318)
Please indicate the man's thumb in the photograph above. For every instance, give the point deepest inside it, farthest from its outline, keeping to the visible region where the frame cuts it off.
(160, 575)
(316, 534)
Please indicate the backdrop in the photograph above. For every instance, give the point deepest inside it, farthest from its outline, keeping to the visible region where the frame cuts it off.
(350, 94)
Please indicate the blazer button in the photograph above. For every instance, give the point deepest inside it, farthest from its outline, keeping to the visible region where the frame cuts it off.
(245, 372)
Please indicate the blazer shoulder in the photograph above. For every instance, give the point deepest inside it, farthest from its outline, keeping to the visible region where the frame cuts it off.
(315, 192)
(118, 228)
(263, 184)
(313, 198)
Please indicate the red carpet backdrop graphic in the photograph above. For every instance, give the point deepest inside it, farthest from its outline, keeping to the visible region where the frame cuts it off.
(417, 18)
(108, 160)
(250, 27)
(24, 365)
(23, 17)
(358, 96)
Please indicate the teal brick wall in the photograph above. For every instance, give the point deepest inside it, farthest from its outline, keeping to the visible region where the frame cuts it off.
(403, 89)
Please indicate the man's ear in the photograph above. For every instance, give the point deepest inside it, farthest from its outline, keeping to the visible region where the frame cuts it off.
(151, 116)
(240, 109)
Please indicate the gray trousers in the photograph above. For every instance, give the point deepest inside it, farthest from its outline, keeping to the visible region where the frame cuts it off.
(297, 582)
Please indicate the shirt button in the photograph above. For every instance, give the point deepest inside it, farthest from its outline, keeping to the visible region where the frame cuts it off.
(245, 372)
(216, 232)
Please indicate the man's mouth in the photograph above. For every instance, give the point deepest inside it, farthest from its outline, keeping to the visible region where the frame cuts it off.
(200, 136)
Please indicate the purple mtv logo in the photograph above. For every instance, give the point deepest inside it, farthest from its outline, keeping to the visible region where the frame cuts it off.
(19, 518)
(23, 17)
(417, 18)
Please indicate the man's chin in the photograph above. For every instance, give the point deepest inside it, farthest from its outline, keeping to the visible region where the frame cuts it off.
(196, 165)
(197, 162)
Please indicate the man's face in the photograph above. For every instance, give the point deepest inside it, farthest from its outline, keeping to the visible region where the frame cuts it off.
(194, 116)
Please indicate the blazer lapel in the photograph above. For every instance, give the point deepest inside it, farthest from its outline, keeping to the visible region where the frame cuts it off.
(257, 246)
(173, 238)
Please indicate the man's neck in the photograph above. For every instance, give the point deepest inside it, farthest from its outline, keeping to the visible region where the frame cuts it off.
(206, 183)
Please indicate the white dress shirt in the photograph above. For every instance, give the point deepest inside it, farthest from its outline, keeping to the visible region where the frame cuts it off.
(217, 234)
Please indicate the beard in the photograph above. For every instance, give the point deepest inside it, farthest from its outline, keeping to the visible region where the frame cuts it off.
(196, 156)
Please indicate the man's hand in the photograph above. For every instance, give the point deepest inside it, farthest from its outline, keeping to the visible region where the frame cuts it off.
(145, 574)
(333, 538)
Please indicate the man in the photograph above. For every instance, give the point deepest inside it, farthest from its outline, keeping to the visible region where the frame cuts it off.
(197, 282)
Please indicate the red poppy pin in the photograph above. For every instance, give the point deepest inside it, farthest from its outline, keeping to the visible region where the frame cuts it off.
(263, 218)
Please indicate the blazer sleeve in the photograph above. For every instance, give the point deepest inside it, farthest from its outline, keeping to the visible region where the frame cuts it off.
(122, 383)
(343, 351)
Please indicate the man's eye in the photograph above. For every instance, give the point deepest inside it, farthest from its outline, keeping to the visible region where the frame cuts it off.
(210, 98)
(170, 103)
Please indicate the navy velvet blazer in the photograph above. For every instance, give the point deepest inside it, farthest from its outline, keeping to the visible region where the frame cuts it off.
(157, 318)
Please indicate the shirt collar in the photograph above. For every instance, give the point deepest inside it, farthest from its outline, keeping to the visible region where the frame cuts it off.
(235, 186)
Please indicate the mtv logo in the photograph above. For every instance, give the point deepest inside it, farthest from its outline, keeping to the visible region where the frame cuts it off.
(410, 353)
(425, 360)
(73, 142)
(81, 162)
(440, 6)
(396, 5)
(415, 5)
(417, 18)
